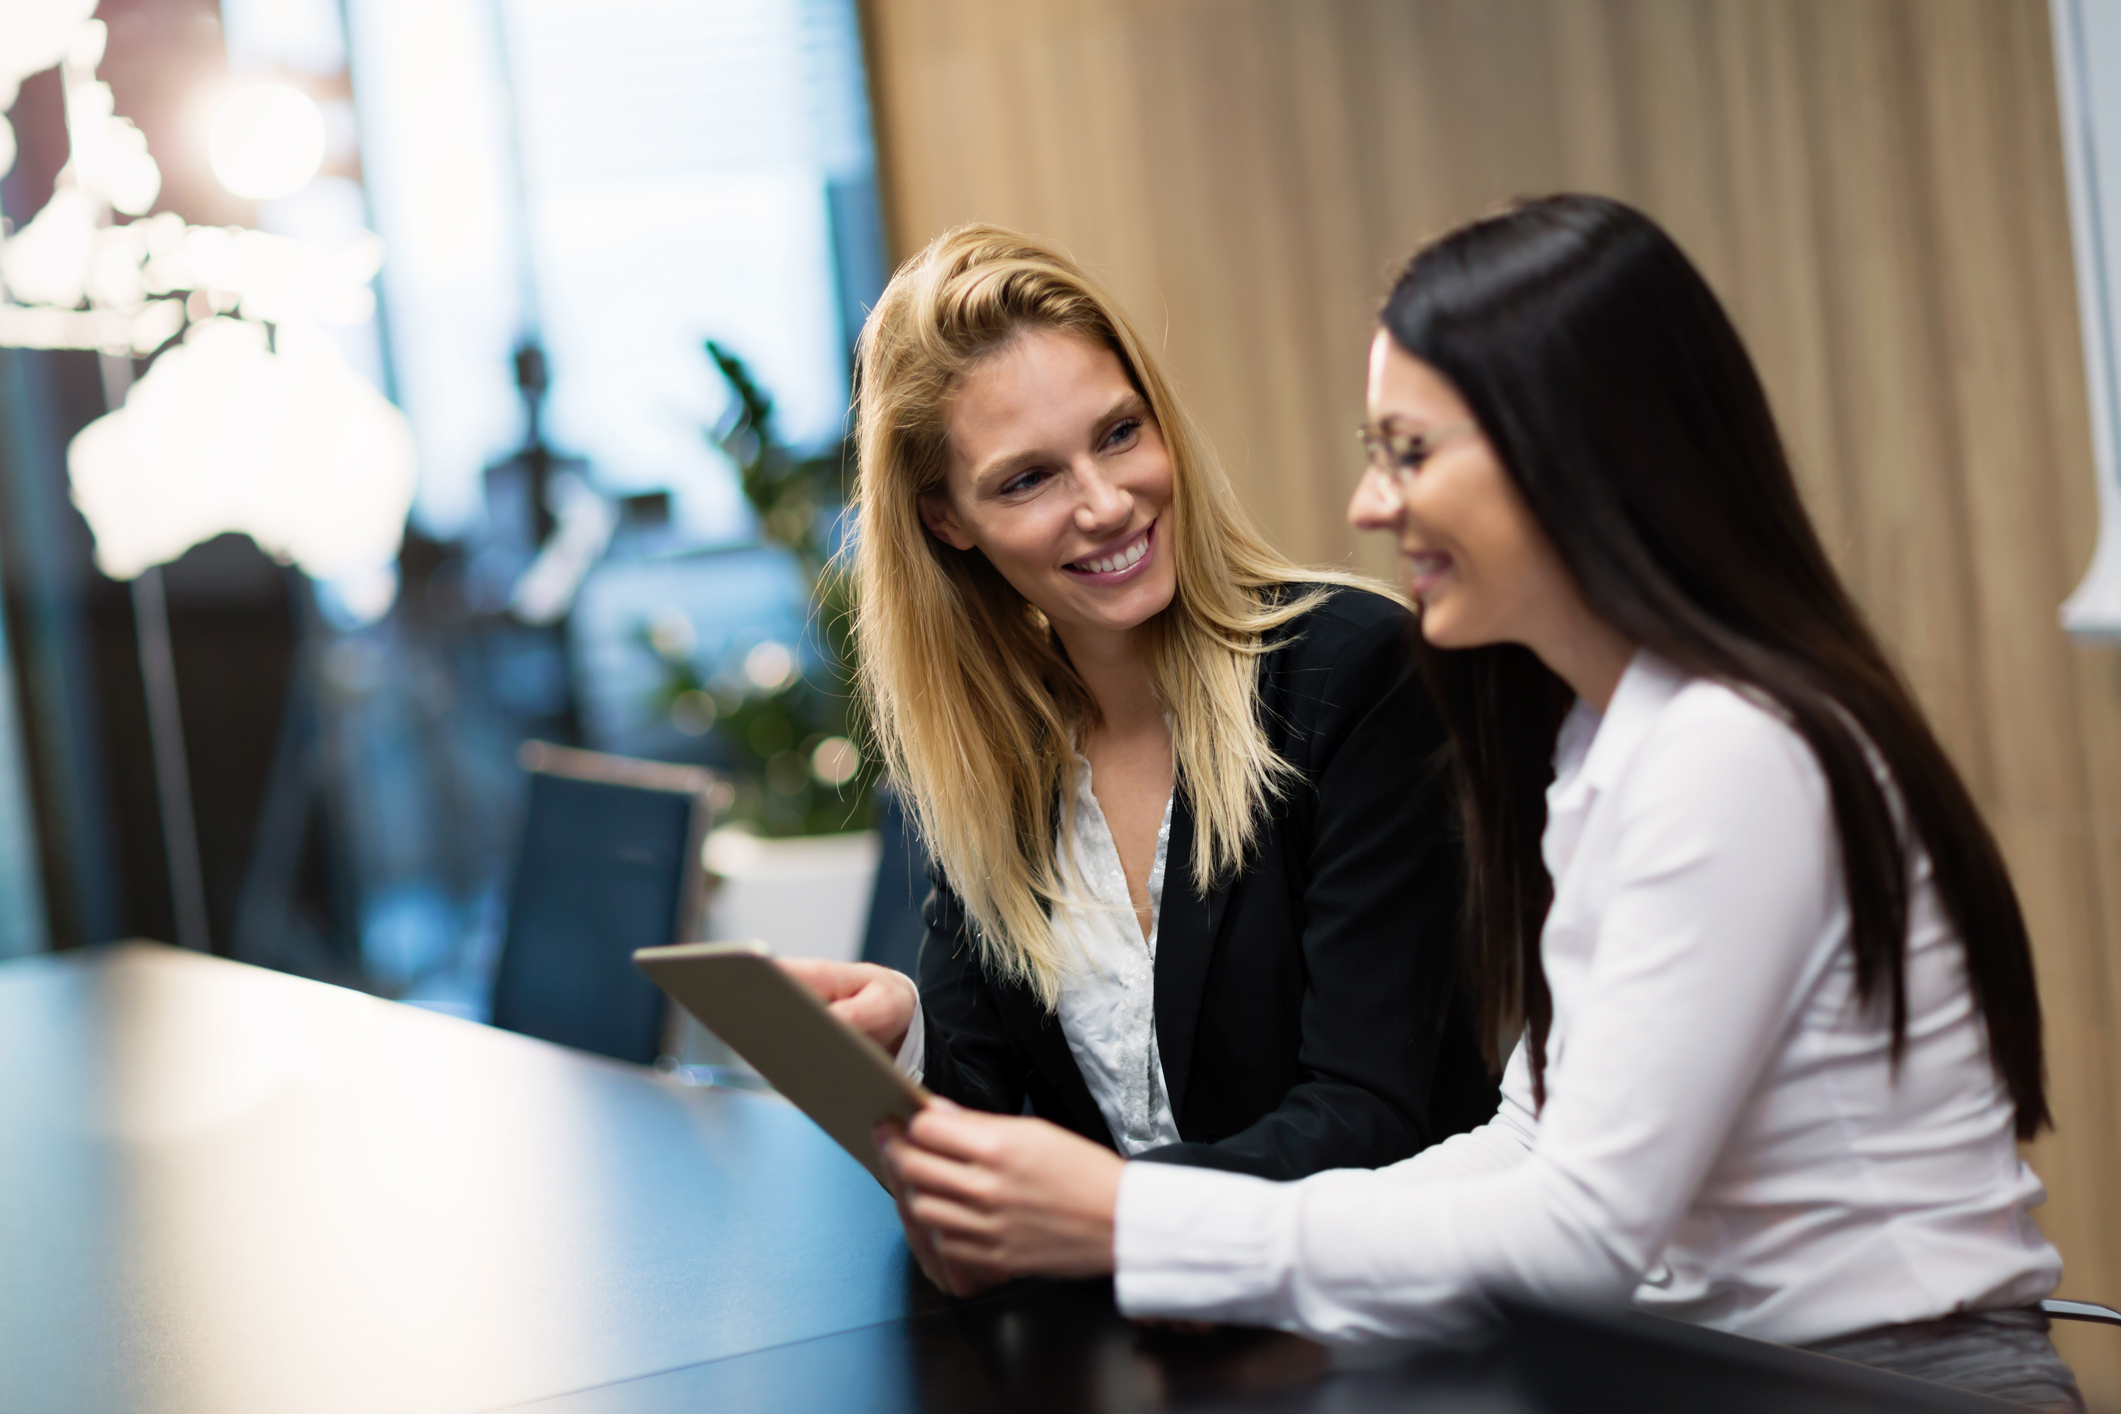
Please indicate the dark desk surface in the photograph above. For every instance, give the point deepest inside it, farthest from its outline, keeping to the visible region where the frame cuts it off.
(225, 1190)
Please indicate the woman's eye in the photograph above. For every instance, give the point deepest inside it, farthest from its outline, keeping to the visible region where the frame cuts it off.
(1408, 453)
(1023, 481)
(1123, 431)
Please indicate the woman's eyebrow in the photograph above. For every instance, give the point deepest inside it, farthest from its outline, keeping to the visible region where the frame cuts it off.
(1006, 467)
(1127, 404)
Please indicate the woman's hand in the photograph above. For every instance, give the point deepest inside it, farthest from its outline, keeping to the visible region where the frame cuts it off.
(994, 1196)
(875, 1001)
(953, 1279)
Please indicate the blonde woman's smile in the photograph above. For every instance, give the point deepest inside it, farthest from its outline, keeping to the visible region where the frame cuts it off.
(1119, 562)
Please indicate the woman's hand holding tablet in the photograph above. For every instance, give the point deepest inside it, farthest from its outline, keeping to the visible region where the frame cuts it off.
(1001, 1196)
(876, 1001)
(831, 1072)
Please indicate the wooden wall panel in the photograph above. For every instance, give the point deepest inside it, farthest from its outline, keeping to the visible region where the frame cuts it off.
(1874, 186)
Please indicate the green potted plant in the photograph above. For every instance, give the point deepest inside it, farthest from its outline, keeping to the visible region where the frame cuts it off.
(784, 717)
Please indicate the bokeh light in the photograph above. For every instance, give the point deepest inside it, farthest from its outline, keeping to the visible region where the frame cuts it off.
(267, 141)
(835, 761)
(769, 666)
(693, 712)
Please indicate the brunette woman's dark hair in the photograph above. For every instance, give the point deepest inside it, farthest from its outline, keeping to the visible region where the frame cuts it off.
(1616, 393)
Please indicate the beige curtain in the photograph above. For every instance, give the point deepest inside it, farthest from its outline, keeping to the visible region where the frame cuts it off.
(1874, 186)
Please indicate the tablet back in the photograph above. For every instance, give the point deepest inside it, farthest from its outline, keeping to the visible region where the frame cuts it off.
(835, 1075)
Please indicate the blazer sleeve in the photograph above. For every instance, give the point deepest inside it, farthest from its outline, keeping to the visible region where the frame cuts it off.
(970, 1057)
(1380, 871)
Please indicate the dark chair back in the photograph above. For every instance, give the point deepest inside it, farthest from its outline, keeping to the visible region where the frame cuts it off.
(893, 934)
(610, 862)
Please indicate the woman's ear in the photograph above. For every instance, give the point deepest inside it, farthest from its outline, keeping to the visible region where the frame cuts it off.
(941, 523)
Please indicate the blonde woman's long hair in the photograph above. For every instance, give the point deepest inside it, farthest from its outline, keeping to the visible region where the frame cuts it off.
(974, 708)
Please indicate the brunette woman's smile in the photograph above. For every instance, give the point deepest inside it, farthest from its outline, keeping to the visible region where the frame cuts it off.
(1426, 569)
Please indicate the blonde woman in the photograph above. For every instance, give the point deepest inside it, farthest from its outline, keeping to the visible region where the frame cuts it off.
(1195, 886)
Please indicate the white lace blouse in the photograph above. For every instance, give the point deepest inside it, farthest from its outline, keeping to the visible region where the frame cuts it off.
(1107, 1004)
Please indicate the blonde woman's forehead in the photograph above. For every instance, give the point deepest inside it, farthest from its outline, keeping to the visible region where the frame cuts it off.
(1039, 395)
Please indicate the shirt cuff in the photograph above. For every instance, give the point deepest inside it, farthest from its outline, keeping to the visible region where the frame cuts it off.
(912, 1057)
(1203, 1244)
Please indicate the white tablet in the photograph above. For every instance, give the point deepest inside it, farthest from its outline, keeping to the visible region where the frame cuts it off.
(829, 1071)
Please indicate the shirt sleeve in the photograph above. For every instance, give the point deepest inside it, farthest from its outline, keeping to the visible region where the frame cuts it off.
(912, 1057)
(1495, 1147)
(1725, 887)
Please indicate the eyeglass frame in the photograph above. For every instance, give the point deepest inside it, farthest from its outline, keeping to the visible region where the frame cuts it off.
(1378, 444)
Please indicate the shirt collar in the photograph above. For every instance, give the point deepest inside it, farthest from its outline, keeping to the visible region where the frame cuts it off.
(1648, 684)
(1593, 749)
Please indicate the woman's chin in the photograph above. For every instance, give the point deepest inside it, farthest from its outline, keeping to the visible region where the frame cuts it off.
(1440, 628)
(1131, 618)
(1125, 612)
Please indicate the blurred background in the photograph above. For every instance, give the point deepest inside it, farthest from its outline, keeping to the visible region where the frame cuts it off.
(385, 384)
(393, 383)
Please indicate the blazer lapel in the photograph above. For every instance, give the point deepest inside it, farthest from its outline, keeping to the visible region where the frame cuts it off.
(1186, 925)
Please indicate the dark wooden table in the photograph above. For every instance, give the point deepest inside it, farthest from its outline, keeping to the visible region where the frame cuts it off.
(224, 1190)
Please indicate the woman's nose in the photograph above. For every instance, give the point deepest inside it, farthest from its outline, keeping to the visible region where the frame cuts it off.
(1104, 505)
(1376, 504)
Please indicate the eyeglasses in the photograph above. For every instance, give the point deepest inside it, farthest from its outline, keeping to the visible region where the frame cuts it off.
(1399, 455)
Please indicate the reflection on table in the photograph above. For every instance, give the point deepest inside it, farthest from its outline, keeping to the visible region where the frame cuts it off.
(229, 1190)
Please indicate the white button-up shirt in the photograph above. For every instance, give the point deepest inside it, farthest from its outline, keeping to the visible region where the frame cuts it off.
(1724, 1136)
(1107, 1006)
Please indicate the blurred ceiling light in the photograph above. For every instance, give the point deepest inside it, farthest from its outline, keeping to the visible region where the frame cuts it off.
(267, 141)
(127, 271)
(234, 426)
(88, 43)
(48, 261)
(36, 326)
(287, 445)
(34, 36)
(131, 178)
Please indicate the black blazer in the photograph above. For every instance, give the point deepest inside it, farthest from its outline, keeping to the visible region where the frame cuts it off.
(1306, 1009)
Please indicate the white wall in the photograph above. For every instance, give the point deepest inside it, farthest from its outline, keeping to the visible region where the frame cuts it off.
(2088, 81)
